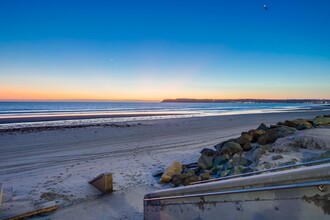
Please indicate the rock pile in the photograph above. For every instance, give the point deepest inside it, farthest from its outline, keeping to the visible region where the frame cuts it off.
(242, 154)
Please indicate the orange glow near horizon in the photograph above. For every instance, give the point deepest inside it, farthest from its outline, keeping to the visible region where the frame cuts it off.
(144, 94)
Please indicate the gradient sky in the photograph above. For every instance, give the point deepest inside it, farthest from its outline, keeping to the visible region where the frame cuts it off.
(151, 50)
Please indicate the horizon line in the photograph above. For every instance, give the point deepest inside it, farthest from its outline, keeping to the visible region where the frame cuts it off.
(154, 100)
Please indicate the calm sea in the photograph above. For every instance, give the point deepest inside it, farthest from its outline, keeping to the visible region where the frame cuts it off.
(27, 109)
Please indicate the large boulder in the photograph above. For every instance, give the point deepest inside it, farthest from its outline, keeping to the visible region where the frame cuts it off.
(244, 140)
(259, 152)
(219, 146)
(299, 124)
(179, 178)
(299, 141)
(205, 161)
(302, 124)
(283, 131)
(255, 134)
(274, 133)
(267, 138)
(240, 161)
(231, 148)
(208, 152)
(174, 169)
(321, 121)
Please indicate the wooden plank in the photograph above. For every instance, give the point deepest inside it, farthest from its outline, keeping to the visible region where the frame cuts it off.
(32, 213)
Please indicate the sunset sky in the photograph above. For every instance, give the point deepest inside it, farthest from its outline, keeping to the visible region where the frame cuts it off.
(157, 49)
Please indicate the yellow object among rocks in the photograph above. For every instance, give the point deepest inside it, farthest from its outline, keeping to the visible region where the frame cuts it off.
(173, 169)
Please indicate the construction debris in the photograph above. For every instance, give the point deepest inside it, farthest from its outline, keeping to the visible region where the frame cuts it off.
(103, 182)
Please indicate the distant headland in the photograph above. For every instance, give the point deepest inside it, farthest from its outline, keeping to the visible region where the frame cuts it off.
(309, 101)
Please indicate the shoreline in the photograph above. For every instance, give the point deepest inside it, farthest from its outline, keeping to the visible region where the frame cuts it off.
(47, 118)
(129, 123)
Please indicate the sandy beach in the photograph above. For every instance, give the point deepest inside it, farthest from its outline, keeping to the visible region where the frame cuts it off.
(56, 164)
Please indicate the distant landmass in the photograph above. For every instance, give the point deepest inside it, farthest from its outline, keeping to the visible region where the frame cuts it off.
(307, 101)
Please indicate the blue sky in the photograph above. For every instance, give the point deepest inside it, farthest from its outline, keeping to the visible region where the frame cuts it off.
(150, 50)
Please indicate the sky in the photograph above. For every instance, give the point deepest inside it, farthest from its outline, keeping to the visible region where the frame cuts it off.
(152, 50)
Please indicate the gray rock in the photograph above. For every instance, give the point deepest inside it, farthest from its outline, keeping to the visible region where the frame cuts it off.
(319, 157)
(260, 151)
(274, 133)
(244, 140)
(178, 179)
(216, 169)
(240, 161)
(224, 173)
(268, 165)
(205, 162)
(324, 155)
(241, 169)
(191, 165)
(208, 152)
(301, 127)
(283, 131)
(292, 162)
(308, 143)
(231, 148)
(205, 175)
(230, 165)
(219, 160)
(277, 157)
(191, 179)
(321, 121)
(238, 170)
(247, 170)
(255, 134)
(267, 138)
(257, 154)
(262, 126)
(219, 146)
(265, 166)
(299, 141)
(299, 124)
(191, 172)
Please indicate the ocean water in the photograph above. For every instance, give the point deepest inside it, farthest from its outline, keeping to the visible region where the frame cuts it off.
(168, 110)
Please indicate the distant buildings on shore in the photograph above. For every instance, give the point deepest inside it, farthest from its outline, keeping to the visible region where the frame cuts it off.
(306, 101)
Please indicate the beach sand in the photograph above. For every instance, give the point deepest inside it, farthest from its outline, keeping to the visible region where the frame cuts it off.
(56, 164)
